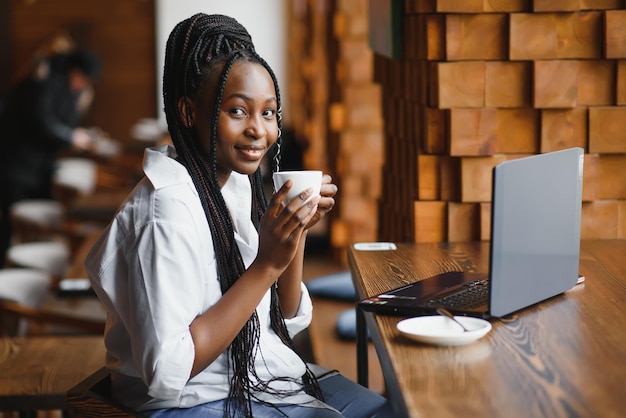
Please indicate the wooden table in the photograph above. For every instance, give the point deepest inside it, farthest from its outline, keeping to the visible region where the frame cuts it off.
(97, 207)
(36, 372)
(565, 357)
(82, 306)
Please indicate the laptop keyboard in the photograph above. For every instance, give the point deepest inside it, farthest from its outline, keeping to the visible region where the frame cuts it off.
(472, 295)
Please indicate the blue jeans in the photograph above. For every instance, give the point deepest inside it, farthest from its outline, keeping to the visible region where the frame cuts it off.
(341, 393)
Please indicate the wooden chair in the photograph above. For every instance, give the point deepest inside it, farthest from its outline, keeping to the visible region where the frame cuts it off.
(36, 220)
(38, 318)
(22, 310)
(91, 398)
(52, 257)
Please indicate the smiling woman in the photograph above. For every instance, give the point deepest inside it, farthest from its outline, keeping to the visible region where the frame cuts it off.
(247, 122)
(200, 275)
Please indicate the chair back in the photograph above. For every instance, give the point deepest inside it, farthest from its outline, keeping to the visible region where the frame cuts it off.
(91, 398)
(23, 288)
(36, 220)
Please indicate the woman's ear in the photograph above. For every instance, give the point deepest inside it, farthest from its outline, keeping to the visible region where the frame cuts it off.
(186, 111)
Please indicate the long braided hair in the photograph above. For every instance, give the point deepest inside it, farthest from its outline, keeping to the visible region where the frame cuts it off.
(200, 50)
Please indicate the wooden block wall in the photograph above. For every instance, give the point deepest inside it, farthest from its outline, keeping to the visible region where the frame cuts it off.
(485, 81)
(308, 82)
(411, 141)
(336, 106)
(360, 152)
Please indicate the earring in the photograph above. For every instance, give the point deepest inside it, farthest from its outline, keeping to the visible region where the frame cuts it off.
(277, 156)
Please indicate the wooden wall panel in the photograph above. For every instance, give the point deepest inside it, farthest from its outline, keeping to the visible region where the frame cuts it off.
(337, 108)
(555, 83)
(555, 5)
(458, 84)
(563, 128)
(506, 6)
(476, 37)
(615, 34)
(435, 131)
(428, 177)
(455, 6)
(481, 82)
(463, 222)
(473, 132)
(621, 83)
(596, 83)
(607, 126)
(476, 177)
(621, 223)
(430, 221)
(579, 35)
(485, 221)
(434, 38)
(508, 84)
(600, 219)
(532, 36)
(561, 85)
(601, 4)
(517, 130)
(612, 176)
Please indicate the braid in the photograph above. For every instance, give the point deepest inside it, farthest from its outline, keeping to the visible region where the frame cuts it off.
(196, 49)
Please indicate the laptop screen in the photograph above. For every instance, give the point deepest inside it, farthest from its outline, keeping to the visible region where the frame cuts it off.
(535, 242)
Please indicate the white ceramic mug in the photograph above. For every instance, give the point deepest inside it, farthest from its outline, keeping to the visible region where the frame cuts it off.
(302, 180)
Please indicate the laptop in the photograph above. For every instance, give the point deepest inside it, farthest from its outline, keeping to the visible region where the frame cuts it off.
(535, 245)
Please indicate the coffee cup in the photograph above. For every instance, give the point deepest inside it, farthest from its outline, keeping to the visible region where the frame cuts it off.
(302, 180)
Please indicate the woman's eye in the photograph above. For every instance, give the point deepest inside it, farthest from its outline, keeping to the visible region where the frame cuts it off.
(237, 111)
(269, 113)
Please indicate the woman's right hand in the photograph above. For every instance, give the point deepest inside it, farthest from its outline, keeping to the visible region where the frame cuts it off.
(282, 227)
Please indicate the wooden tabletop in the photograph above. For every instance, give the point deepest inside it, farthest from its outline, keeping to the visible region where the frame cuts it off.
(565, 357)
(36, 372)
(99, 206)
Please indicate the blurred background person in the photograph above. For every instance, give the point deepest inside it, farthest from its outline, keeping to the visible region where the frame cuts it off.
(41, 117)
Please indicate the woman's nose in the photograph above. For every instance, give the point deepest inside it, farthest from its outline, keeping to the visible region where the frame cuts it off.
(256, 127)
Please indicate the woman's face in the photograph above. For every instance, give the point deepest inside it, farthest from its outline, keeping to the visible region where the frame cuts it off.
(247, 125)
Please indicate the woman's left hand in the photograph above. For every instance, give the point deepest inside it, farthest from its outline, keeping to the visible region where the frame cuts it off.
(327, 201)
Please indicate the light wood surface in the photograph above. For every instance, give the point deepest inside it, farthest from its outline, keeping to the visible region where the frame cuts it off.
(36, 372)
(561, 358)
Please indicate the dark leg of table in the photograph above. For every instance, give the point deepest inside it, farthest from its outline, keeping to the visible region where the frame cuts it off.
(361, 349)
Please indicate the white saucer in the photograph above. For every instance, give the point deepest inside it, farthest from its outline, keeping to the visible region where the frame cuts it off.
(439, 330)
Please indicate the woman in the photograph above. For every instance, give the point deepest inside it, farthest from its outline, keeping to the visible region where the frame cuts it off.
(201, 278)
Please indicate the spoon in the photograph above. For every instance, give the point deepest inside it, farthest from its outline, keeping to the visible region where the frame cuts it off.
(445, 312)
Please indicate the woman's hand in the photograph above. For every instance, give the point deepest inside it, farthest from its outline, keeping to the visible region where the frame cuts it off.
(326, 202)
(282, 227)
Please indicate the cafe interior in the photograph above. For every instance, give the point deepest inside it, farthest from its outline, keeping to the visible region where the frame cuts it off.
(408, 105)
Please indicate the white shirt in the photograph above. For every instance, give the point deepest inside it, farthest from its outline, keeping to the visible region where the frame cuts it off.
(154, 268)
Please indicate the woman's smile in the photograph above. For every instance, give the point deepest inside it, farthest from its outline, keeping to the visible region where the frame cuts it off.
(251, 152)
